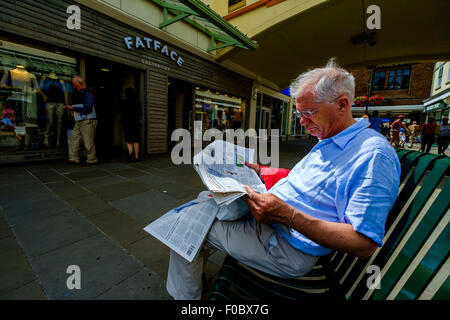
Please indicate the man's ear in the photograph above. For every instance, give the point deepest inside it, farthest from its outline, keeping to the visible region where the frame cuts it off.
(344, 103)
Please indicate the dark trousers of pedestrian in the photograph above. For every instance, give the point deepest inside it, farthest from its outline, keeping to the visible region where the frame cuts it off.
(427, 140)
(443, 142)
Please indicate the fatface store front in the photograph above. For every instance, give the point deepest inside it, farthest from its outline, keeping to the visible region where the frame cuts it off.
(39, 56)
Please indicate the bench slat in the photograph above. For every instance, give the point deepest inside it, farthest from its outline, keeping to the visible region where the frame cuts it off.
(427, 268)
(440, 167)
(416, 241)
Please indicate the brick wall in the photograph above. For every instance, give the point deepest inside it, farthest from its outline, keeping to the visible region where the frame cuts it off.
(419, 85)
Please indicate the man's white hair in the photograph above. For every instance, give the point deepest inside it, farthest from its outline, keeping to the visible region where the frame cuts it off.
(327, 83)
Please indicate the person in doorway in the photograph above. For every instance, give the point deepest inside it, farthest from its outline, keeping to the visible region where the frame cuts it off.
(85, 123)
(428, 132)
(375, 121)
(444, 136)
(337, 197)
(131, 121)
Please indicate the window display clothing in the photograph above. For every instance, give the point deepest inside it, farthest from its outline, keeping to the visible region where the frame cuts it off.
(53, 90)
(24, 90)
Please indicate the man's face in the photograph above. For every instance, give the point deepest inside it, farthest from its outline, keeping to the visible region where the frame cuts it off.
(76, 85)
(325, 121)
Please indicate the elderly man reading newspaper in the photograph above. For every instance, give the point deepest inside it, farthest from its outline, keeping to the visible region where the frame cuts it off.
(336, 197)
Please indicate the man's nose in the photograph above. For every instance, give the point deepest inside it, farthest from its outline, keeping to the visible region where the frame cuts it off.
(304, 121)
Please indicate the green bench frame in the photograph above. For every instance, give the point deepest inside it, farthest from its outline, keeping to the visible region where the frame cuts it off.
(414, 259)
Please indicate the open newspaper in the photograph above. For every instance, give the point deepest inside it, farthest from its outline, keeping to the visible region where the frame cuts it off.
(221, 166)
(184, 229)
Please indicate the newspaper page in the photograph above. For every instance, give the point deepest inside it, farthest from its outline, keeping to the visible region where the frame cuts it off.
(221, 166)
(184, 229)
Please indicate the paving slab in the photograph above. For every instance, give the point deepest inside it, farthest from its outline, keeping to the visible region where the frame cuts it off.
(29, 291)
(15, 177)
(49, 176)
(146, 206)
(100, 181)
(152, 180)
(130, 173)
(53, 232)
(113, 166)
(180, 191)
(144, 285)
(68, 190)
(103, 265)
(119, 190)
(15, 271)
(17, 192)
(34, 209)
(118, 226)
(89, 205)
(153, 254)
(86, 174)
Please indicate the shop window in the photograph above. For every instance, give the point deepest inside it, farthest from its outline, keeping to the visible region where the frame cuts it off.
(399, 79)
(379, 79)
(34, 87)
(218, 110)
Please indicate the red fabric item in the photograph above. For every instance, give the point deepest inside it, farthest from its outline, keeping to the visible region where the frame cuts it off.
(272, 175)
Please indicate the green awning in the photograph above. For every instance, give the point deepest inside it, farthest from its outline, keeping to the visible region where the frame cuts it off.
(200, 16)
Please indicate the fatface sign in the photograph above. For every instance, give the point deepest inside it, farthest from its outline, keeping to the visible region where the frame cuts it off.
(148, 43)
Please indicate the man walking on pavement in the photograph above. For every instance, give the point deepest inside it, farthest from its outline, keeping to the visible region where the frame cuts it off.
(85, 123)
(428, 133)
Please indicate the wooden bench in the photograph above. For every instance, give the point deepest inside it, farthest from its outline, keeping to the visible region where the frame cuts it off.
(414, 259)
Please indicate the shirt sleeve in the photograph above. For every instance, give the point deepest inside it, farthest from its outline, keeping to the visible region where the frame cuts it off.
(371, 193)
(88, 104)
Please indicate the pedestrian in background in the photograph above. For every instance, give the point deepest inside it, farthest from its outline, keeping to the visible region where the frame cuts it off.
(428, 132)
(414, 133)
(375, 122)
(85, 123)
(395, 131)
(443, 136)
(131, 122)
(402, 135)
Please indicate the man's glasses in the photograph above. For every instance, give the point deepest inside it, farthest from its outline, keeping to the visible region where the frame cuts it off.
(307, 114)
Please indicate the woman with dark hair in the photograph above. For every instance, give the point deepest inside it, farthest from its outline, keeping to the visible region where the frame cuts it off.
(131, 122)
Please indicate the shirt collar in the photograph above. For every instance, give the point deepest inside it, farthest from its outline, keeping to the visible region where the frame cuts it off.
(343, 137)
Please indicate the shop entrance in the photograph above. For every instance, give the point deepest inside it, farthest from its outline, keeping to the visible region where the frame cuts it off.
(180, 106)
(108, 82)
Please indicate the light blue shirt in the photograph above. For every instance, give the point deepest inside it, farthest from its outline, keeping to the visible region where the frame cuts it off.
(352, 177)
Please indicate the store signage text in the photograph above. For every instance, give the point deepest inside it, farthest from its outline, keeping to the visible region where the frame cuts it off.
(148, 43)
(435, 106)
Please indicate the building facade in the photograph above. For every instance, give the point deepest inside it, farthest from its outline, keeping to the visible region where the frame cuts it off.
(438, 103)
(119, 44)
(401, 87)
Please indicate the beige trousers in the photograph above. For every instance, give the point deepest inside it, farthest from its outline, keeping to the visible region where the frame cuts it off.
(259, 246)
(83, 131)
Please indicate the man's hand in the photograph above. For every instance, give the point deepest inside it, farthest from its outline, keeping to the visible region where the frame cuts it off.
(267, 208)
(68, 107)
(254, 166)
